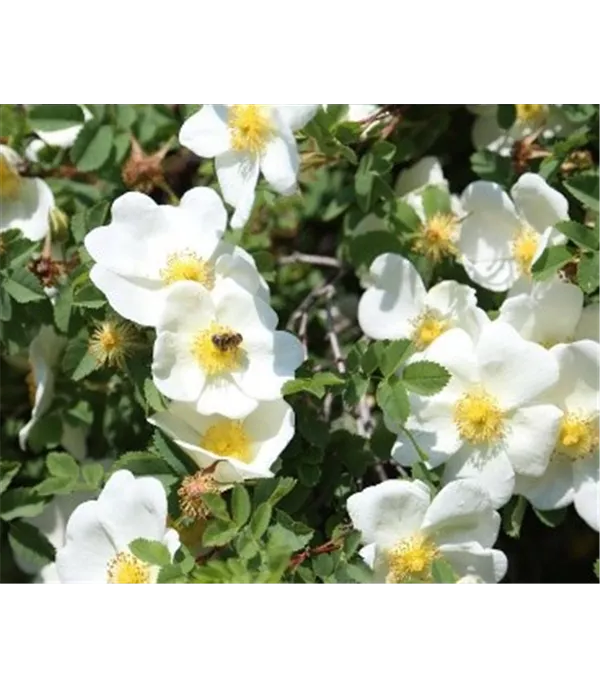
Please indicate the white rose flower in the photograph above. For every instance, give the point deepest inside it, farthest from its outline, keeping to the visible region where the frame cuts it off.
(100, 531)
(549, 312)
(529, 118)
(245, 448)
(488, 422)
(246, 140)
(500, 238)
(398, 306)
(220, 350)
(59, 138)
(572, 474)
(405, 531)
(25, 203)
(148, 247)
(44, 353)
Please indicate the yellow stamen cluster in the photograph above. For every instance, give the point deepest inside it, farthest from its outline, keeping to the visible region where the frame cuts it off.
(186, 265)
(411, 559)
(250, 128)
(478, 417)
(213, 359)
(437, 238)
(10, 182)
(228, 438)
(126, 568)
(111, 342)
(524, 247)
(193, 487)
(427, 328)
(577, 437)
(531, 114)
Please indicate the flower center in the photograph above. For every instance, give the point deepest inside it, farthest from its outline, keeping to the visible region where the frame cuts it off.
(111, 342)
(217, 350)
(530, 114)
(438, 237)
(10, 182)
(478, 417)
(577, 437)
(228, 438)
(411, 558)
(524, 247)
(185, 265)
(126, 568)
(193, 487)
(250, 127)
(427, 328)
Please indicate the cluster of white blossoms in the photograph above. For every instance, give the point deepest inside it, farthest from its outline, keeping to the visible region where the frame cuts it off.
(519, 415)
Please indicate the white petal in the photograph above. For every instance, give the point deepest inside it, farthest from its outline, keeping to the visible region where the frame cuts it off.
(426, 172)
(587, 491)
(368, 554)
(188, 308)
(29, 212)
(130, 508)
(280, 162)
(222, 395)
(547, 312)
(462, 512)
(175, 372)
(532, 437)
(136, 299)
(88, 547)
(205, 132)
(458, 302)
(588, 326)
(386, 309)
(487, 133)
(241, 311)
(271, 427)
(552, 490)
(454, 350)
(389, 512)
(296, 116)
(206, 208)
(239, 267)
(512, 369)
(579, 369)
(540, 204)
(489, 466)
(237, 174)
(472, 559)
(179, 421)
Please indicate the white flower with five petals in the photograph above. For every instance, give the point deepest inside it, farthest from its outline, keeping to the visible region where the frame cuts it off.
(25, 202)
(500, 238)
(489, 422)
(246, 140)
(572, 474)
(242, 449)
(549, 312)
(220, 350)
(397, 305)
(148, 247)
(405, 531)
(100, 532)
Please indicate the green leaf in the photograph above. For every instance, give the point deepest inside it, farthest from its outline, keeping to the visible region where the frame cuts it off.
(588, 273)
(289, 539)
(392, 398)
(443, 572)
(92, 147)
(436, 201)
(323, 565)
(585, 188)
(597, 568)
(578, 113)
(171, 574)
(260, 520)
(92, 474)
(62, 465)
(551, 518)
(62, 308)
(245, 545)
(404, 218)
(219, 533)
(24, 287)
(584, 236)
(394, 355)
(153, 396)
(492, 167)
(425, 377)
(151, 552)
(240, 505)
(8, 470)
(30, 544)
(217, 506)
(372, 357)
(177, 459)
(512, 516)
(53, 486)
(86, 366)
(21, 502)
(54, 117)
(355, 390)
(364, 248)
(552, 259)
(506, 115)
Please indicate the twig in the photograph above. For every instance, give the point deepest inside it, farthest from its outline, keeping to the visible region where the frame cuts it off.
(340, 362)
(296, 257)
